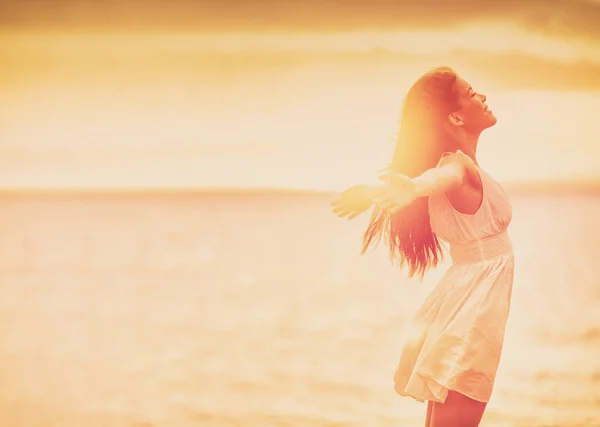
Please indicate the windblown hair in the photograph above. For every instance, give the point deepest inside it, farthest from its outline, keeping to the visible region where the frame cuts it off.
(422, 140)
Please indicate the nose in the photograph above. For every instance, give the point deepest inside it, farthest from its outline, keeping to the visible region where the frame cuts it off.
(482, 97)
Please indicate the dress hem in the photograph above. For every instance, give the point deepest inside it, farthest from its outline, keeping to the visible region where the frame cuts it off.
(405, 393)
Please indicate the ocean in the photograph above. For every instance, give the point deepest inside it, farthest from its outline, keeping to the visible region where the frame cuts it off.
(257, 310)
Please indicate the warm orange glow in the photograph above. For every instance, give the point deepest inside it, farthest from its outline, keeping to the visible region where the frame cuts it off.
(307, 110)
(168, 300)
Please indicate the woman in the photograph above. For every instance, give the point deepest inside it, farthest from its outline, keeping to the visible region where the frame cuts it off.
(435, 190)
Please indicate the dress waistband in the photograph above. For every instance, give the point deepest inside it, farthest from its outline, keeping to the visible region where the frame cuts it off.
(482, 249)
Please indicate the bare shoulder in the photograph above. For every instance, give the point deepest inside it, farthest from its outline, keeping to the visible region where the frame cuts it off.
(458, 160)
(464, 166)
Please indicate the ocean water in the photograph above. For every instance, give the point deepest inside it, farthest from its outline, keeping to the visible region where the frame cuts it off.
(257, 310)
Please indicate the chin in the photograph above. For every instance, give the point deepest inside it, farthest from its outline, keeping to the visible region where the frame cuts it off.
(490, 121)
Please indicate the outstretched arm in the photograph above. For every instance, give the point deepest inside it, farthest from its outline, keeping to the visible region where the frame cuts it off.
(402, 190)
(357, 199)
(448, 176)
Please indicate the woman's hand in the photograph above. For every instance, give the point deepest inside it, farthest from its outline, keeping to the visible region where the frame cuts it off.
(355, 200)
(400, 191)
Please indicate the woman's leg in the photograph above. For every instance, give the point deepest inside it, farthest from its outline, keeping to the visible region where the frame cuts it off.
(457, 411)
(428, 416)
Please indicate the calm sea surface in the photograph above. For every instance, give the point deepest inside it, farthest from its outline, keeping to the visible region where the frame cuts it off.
(258, 311)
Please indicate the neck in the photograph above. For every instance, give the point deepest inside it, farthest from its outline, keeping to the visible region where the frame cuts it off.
(467, 142)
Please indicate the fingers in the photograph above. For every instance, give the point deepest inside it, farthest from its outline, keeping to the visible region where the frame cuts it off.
(338, 208)
(346, 212)
(350, 213)
(339, 205)
(342, 210)
(387, 205)
(356, 213)
(342, 198)
(352, 202)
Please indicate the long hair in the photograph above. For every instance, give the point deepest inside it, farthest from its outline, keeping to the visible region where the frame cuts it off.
(422, 139)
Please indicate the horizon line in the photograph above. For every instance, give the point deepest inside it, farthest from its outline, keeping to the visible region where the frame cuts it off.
(538, 185)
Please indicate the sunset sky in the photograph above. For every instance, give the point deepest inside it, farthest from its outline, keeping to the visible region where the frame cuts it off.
(151, 94)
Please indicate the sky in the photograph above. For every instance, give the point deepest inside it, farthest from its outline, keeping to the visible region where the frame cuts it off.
(132, 94)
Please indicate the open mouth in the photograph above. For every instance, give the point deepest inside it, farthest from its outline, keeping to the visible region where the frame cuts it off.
(487, 110)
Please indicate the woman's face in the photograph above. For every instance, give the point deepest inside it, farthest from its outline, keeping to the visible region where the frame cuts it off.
(474, 114)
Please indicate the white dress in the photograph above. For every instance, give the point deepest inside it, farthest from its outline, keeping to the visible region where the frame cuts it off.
(455, 340)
